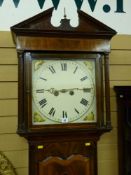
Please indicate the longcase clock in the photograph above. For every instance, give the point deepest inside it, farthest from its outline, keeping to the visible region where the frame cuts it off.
(63, 87)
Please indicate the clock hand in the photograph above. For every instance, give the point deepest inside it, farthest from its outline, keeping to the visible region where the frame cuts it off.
(52, 91)
(71, 89)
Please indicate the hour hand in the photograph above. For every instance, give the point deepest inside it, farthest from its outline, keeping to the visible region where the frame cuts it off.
(52, 91)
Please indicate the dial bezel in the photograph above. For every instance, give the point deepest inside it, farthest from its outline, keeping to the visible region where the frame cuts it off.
(28, 57)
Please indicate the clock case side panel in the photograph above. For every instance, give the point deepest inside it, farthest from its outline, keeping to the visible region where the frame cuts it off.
(22, 119)
(99, 91)
(27, 100)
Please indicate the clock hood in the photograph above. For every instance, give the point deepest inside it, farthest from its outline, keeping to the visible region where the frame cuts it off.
(40, 25)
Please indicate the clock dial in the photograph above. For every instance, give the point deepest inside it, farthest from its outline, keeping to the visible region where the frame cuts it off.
(63, 91)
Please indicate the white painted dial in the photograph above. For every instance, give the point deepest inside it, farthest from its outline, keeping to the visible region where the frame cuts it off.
(63, 91)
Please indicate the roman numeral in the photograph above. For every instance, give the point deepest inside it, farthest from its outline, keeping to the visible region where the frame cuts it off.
(84, 102)
(64, 114)
(76, 111)
(84, 78)
(52, 112)
(75, 69)
(43, 102)
(64, 66)
(64, 117)
(43, 78)
(40, 91)
(51, 68)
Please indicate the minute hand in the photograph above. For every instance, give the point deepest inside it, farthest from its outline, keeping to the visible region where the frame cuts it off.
(78, 89)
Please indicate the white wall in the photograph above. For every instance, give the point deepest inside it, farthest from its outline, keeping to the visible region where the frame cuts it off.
(121, 22)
